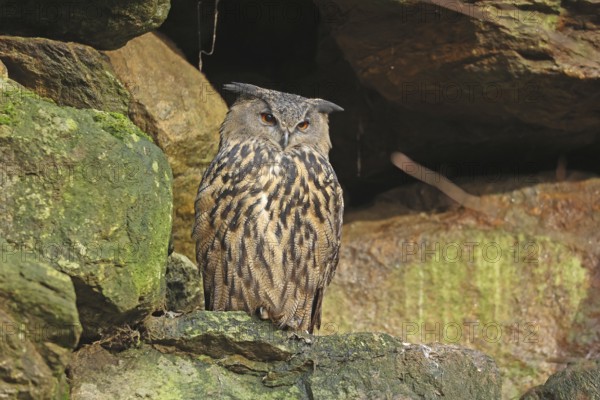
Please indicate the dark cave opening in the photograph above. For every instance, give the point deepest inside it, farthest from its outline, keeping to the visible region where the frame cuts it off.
(287, 46)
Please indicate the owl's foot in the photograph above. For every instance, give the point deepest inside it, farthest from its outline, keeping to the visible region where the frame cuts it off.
(263, 313)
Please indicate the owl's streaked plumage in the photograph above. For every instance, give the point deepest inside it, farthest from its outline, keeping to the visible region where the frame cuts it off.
(269, 209)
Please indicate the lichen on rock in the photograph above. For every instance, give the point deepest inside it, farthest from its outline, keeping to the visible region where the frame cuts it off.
(39, 326)
(231, 355)
(89, 194)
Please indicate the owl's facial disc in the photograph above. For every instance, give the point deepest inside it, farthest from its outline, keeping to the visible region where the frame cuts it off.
(287, 124)
(274, 126)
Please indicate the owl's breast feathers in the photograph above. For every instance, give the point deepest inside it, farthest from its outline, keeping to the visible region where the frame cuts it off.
(268, 226)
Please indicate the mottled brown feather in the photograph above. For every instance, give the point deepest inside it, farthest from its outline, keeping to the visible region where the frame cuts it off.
(267, 229)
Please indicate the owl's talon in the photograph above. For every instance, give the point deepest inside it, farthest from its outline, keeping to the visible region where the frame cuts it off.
(263, 313)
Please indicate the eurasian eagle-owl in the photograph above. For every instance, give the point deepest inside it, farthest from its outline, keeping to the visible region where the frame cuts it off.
(269, 209)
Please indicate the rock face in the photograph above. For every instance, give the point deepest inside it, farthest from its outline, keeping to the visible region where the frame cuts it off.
(184, 122)
(89, 194)
(502, 73)
(173, 101)
(519, 285)
(102, 24)
(39, 327)
(577, 381)
(184, 284)
(71, 74)
(228, 355)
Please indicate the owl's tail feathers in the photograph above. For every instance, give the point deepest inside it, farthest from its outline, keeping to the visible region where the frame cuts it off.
(315, 316)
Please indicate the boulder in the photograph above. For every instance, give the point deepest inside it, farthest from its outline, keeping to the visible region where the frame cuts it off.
(516, 80)
(101, 24)
(184, 122)
(578, 380)
(71, 74)
(3, 71)
(88, 193)
(518, 284)
(173, 102)
(184, 284)
(230, 355)
(39, 327)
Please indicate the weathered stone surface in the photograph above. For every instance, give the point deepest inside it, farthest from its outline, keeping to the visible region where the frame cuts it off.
(184, 284)
(577, 381)
(71, 74)
(173, 101)
(88, 193)
(101, 24)
(230, 355)
(508, 77)
(3, 71)
(39, 327)
(520, 285)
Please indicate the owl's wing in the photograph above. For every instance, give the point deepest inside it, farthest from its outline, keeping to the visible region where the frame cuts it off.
(330, 240)
(203, 229)
(223, 186)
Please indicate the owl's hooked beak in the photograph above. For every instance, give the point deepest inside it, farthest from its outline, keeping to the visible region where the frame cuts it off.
(285, 139)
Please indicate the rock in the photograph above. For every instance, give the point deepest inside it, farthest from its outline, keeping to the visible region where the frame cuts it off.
(503, 73)
(577, 381)
(103, 25)
(3, 71)
(88, 193)
(518, 285)
(230, 355)
(173, 101)
(39, 327)
(184, 284)
(71, 74)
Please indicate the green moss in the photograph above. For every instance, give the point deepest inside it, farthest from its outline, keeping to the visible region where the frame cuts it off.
(91, 190)
(504, 293)
(38, 300)
(7, 113)
(119, 126)
(230, 355)
(508, 276)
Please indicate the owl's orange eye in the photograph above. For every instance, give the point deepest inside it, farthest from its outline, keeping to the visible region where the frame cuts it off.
(303, 125)
(268, 118)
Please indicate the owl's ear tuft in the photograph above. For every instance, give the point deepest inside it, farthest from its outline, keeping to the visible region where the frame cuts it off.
(244, 89)
(326, 107)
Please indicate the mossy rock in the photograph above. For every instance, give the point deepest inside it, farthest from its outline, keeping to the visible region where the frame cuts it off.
(71, 74)
(86, 192)
(184, 284)
(578, 380)
(230, 355)
(519, 287)
(39, 326)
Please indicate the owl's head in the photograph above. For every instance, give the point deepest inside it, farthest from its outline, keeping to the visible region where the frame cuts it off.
(284, 119)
